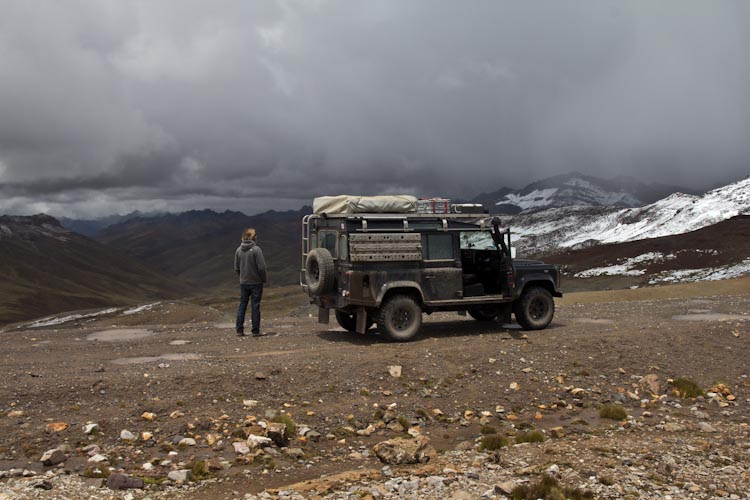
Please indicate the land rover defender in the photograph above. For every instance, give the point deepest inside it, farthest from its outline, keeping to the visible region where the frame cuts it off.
(389, 268)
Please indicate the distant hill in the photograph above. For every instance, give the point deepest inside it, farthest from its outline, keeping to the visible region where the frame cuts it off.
(714, 252)
(198, 246)
(48, 269)
(575, 189)
(546, 231)
(91, 227)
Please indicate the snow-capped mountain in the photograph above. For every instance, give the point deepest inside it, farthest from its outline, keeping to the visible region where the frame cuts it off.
(543, 231)
(573, 189)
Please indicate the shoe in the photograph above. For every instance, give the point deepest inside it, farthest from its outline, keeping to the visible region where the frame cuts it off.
(259, 334)
(241, 334)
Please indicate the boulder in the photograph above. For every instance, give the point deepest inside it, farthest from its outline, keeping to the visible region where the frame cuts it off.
(405, 451)
(180, 476)
(53, 457)
(277, 433)
(123, 482)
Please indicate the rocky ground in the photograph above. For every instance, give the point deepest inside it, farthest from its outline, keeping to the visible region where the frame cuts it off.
(166, 402)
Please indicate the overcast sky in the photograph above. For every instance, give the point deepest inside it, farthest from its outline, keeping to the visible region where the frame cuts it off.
(112, 105)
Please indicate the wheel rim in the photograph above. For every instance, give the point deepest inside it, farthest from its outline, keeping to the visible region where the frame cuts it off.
(402, 319)
(315, 271)
(538, 309)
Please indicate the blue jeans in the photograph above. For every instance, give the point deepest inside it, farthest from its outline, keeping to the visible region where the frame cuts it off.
(252, 294)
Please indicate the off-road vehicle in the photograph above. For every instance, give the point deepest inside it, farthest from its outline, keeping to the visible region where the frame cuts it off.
(389, 268)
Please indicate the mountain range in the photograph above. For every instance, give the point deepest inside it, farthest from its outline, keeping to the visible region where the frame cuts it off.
(46, 269)
(575, 189)
(142, 257)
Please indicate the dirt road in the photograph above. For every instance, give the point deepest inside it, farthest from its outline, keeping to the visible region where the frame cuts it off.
(178, 380)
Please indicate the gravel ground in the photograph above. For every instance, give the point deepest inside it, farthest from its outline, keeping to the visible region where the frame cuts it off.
(189, 395)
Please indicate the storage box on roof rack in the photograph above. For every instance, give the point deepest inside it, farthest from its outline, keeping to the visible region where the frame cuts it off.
(433, 205)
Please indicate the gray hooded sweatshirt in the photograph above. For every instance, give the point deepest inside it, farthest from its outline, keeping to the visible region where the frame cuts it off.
(249, 264)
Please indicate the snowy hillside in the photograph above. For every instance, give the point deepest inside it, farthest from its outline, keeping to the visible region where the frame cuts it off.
(574, 189)
(575, 227)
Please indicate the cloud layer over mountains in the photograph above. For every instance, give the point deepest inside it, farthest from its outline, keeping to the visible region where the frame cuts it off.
(116, 105)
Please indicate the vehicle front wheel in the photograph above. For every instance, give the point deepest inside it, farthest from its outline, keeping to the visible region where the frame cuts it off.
(349, 321)
(400, 318)
(534, 308)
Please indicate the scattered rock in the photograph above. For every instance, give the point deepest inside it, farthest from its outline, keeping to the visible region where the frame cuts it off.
(147, 415)
(186, 442)
(276, 431)
(57, 426)
(126, 435)
(404, 451)
(53, 457)
(394, 371)
(706, 427)
(123, 482)
(674, 427)
(97, 458)
(505, 488)
(557, 432)
(241, 448)
(180, 476)
(90, 428)
(260, 376)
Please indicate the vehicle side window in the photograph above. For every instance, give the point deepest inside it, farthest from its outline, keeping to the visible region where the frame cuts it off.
(438, 247)
(329, 241)
(343, 247)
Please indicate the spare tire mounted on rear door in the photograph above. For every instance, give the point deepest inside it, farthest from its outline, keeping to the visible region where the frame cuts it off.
(319, 271)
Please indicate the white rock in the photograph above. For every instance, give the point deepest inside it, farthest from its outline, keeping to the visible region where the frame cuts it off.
(98, 458)
(90, 428)
(180, 476)
(126, 435)
(395, 371)
(186, 442)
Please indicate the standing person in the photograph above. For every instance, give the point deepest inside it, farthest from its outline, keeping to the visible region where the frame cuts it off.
(251, 268)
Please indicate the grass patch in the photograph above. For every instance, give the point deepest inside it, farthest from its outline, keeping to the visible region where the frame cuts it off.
(364, 392)
(686, 388)
(403, 422)
(153, 479)
(378, 414)
(492, 442)
(291, 427)
(548, 489)
(200, 470)
(613, 412)
(488, 429)
(423, 413)
(530, 437)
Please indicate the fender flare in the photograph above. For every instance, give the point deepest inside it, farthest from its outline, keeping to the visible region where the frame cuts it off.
(394, 285)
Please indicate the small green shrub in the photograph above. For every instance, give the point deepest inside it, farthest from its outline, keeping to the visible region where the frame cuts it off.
(488, 429)
(613, 412)
(378, 414)
(403, 422)
(492, 442)
(364, 392)
(686, 388)
(199, 470)
(548, 489)
(291, 427)
(530, 437)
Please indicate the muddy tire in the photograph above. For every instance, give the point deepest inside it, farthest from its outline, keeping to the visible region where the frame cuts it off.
(319, 271)
(487, 313)
(349, 321)
(400, 318)
(534, 309)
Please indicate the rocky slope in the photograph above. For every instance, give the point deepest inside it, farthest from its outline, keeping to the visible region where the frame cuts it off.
(48, 269)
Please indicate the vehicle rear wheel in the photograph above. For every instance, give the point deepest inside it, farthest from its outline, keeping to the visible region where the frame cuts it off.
(534, 309)
(487, 313)
(400, 318)
(348, 321)
(319, 269)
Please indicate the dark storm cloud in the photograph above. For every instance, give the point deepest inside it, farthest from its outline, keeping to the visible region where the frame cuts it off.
(116, 105)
